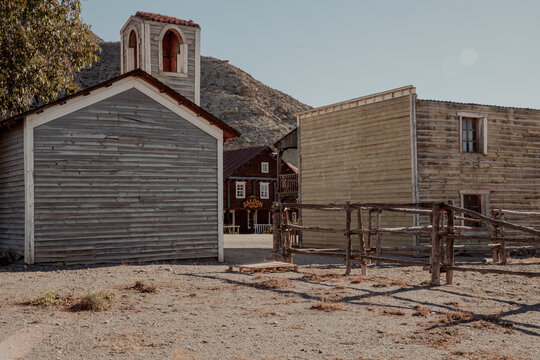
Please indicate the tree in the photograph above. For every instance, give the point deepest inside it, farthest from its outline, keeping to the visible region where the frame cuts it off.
(42, 44)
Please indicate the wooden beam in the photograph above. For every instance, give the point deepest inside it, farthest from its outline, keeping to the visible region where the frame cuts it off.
(435, 259)
(348, 210)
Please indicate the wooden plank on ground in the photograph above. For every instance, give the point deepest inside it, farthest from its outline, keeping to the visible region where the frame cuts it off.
(272, 266)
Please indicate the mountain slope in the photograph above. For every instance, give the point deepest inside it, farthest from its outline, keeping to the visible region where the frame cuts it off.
(263, 115)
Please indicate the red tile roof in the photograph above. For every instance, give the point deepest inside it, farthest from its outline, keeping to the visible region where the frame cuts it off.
(233, 159)
(165, 19)
(228, 131)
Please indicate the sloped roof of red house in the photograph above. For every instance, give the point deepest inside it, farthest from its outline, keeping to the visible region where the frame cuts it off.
(165, 19)
(228, 131)
(233, 159)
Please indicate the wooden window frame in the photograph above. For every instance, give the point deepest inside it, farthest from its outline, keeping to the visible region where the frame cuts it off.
(484, 203)
(182, 56)
(265, 167)
(481, 130)
(240, 185)
(267, 185)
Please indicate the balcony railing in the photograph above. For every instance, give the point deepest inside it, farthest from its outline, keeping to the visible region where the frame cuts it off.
(261, 228)
(288, 183)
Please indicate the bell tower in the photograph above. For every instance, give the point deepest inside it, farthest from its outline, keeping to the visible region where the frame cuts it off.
(167, 48)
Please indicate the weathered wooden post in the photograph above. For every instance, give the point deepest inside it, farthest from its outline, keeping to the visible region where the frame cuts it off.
(435, 259)
(348, 253)
(495, 233)
(502, 248)
(449, 258)
(362, 245)
(370, 227)
(285, 237)
(276, 223)
(378, 249)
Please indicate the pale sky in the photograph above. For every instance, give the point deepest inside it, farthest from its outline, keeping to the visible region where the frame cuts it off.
(322, 52)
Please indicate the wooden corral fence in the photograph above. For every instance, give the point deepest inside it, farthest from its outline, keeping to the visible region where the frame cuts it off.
(446, 228)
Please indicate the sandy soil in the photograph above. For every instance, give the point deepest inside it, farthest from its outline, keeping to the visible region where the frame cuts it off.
(201, 311)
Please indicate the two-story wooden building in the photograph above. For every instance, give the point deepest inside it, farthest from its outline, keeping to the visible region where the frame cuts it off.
(250, 188)
(392, 147)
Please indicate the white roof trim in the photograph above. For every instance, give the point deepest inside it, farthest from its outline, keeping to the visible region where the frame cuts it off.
(364, 100)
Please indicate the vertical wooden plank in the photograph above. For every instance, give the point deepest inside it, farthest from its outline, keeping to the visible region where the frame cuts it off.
(370, 227)
(495, 233)
(449, 258)
(348, 211)
(285, 238)
(435, 247)
(378, 249)
(276, 215)
(362, 245)
(502, 249)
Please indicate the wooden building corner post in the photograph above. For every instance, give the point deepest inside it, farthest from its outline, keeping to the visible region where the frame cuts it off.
(285, 237)
(276, 216)
(362, 245)
(348, 253)
(449, 258)
(435, 259)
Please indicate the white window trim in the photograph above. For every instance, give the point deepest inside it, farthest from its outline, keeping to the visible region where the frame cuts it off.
(263, 167)
(483, 128)
(261, 184)
(125, 44)
(183, 51)
(243, 183)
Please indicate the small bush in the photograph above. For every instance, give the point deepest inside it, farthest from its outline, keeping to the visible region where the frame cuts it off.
(325, 305)
(422, 311)
(49, 299)
(143, 287)
(274, 284)
(99, 301)
(394, 312)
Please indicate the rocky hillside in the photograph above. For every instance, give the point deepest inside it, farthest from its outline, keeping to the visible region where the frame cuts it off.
(262, 114)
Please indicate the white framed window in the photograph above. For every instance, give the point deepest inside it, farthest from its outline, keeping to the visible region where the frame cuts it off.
(472, 133)
(264, 190)
(264, 167)
(240, 189)
(475, 200)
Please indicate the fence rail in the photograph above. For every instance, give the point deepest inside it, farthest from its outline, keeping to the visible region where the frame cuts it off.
(442, 234)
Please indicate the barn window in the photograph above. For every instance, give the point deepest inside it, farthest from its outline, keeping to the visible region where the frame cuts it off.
(173, 51)
(132, 51)
(264, 167)
(476, 201)
(264, 189)
(473, 134)
(240, 189)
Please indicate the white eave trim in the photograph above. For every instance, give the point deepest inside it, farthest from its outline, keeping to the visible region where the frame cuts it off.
(364, 100)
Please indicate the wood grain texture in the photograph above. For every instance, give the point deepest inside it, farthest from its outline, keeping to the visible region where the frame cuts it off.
(361, 154)
(510, 171)
(124, 180)
(12, 190)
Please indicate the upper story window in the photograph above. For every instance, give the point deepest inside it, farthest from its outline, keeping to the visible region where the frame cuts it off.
(132, 51)
(473, 135)
(172, 47)
(240, 189)
(265, 190)
(264, 167)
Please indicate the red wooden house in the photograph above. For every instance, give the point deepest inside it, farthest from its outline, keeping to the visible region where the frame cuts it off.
(250, 188)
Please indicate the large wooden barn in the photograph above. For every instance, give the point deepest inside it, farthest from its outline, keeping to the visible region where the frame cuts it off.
(127, 170)
(392, 147)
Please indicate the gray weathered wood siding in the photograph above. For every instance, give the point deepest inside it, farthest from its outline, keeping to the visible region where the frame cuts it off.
(124, 180)
(360, 154)
(510, 170)
(185, 85)
(12, 190)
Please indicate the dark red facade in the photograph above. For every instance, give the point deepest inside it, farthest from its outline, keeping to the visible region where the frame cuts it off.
(245, 166)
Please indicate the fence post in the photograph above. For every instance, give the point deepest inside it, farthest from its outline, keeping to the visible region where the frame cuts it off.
(348, 211)
(285, 237)
(276, 231)
(435, 246)
(449, 258)
(378, 249)
(362, 245)
(502, 249)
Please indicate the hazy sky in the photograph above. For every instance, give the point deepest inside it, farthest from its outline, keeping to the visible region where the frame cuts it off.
(321, 52)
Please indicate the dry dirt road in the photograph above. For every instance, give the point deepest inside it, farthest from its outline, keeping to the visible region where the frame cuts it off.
(201, 311)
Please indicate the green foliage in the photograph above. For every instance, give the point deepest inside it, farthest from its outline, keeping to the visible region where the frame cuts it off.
(99, 301)
(49, 299)
(42, 44)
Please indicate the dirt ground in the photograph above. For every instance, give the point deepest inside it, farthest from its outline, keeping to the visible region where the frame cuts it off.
(201, 311)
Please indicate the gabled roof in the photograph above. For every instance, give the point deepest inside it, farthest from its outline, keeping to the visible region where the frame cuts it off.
(165, 19)
(233, 159)
(228, 131)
